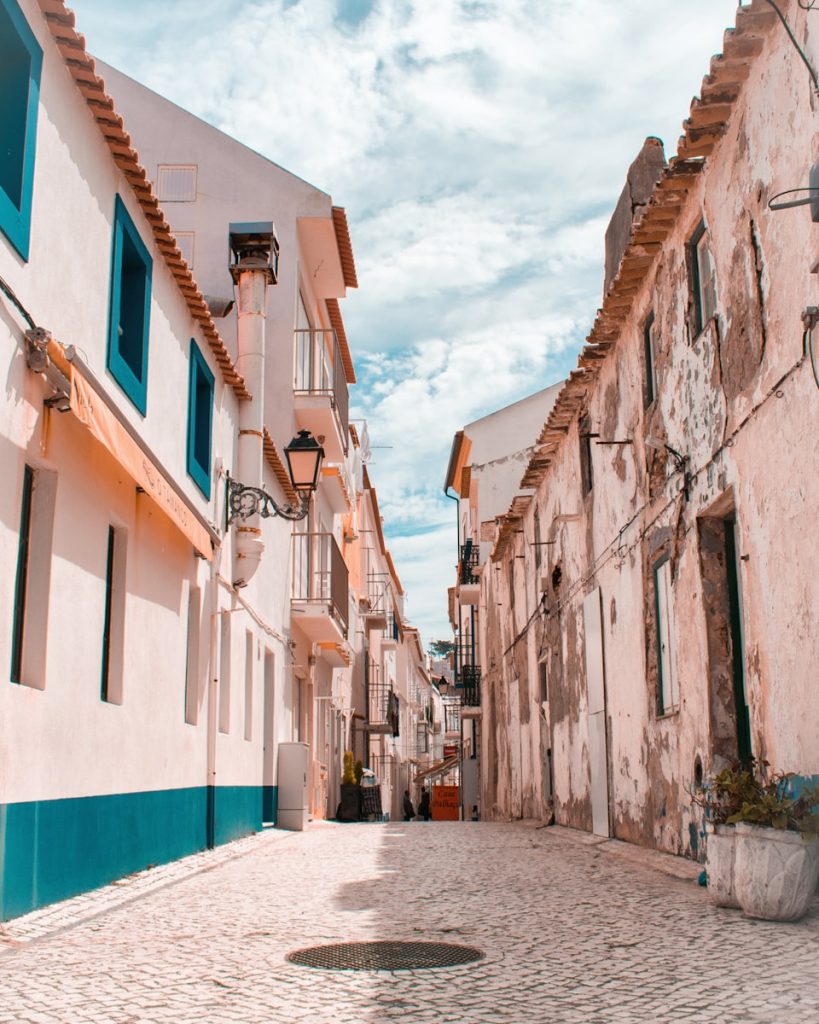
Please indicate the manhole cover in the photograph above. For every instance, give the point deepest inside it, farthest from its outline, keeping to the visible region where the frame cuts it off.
(385, 956)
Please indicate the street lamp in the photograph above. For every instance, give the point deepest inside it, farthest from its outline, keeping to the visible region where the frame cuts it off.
(304, 455)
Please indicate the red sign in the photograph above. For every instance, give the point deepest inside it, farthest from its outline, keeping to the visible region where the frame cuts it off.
(446, 803)
(450, 750)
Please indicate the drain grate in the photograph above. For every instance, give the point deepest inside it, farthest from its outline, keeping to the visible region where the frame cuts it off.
(385, 956)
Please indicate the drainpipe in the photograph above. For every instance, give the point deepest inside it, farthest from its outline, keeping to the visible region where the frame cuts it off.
(213, 691)
(254, 265)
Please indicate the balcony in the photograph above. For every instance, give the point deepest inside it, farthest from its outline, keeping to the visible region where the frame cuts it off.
(383, 706)
(468, 688)
(320, 391)
(320, 602)
(469, 580)
(377, 610)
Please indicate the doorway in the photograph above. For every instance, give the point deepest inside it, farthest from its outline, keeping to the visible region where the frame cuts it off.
(730, 718)
(269, 734)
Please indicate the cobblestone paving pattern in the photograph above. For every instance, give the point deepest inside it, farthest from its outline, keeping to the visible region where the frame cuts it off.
(572, 933)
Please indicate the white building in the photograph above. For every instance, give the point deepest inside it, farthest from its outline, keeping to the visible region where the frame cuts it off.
(487, 459)
(156, 655)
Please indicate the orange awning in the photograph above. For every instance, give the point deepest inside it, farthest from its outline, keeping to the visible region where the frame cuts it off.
(93, 412)
(439, 768)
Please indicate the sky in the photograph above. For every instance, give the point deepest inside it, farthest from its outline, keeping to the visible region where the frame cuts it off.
(478, 147)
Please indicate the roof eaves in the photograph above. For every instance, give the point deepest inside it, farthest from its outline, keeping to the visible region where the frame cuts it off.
(336, 322)
(274, 460)
(345, 247)
(706, 124)
(81, 66)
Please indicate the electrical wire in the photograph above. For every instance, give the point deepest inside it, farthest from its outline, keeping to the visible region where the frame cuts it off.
(808, 353)
(8, 291)
(799, 50)
(615, 546)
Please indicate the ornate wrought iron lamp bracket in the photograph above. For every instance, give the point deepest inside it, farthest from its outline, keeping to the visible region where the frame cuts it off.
(243, 502)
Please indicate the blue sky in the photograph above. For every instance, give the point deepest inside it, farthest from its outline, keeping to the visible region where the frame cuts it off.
(478, 146)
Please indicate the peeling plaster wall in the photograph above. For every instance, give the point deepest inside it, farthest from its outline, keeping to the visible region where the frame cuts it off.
(738, 401)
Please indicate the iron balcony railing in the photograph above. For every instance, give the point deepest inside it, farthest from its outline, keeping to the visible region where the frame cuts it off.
(320, 573)
(320, 371)
(468, 565)
(469, 686)
(383, 705)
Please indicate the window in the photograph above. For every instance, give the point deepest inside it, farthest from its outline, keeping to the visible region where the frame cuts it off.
(22, 578)
(192, 661)
(586, 468)
(650, 347)
(113, 625)
(668, 693)
(21, 61)
(33, 578)
(200, 419)
(248, 685)
(185, 240)
(224, 674)
(176, 183)
(703, 278)
(543, 673)
(538, 543)
(129, 309)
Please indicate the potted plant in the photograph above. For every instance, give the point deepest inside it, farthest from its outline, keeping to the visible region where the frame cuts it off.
(777, 849)
(349, 808)
(722, 797)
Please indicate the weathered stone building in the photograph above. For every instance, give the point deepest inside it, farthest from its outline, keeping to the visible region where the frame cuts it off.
(650, 601)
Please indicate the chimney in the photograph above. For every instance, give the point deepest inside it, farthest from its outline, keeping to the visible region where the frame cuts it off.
(642, 176)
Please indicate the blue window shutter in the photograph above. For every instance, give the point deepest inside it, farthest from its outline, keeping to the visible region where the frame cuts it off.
(200, 419)
(129, 309)
(21, 61)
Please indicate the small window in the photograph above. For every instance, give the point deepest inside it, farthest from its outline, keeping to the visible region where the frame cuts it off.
(703, 278)
(538, 543)
(543, 673)
(21, 62)
(185, 241)
(668, 693)
(249, 659)
(586, 467)
(113, 625)
(130, 308)
(650, 348)
(224, 673)
(192, 660)
(176, 183)
(200, 419)
(32, 585)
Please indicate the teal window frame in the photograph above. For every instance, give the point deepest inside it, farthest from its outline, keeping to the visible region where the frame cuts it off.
(200, 419)
(21, 62)
(129, 312)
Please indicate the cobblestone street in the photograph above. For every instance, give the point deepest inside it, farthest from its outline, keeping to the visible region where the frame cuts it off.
(574, 930)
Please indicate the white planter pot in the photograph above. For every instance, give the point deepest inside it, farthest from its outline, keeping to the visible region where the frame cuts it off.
(775, 872)
(720, 850)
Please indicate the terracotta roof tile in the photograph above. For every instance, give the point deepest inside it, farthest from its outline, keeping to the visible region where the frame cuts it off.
(345, 246)
(60, 21)
(334, 312)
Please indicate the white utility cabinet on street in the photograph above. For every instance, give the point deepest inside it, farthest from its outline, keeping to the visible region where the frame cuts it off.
(293, 809)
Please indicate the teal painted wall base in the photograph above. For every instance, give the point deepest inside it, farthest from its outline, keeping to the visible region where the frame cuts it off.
(53, 849)
(270, 803)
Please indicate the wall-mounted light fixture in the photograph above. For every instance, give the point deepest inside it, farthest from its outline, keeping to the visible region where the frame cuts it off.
(304, 455)
(680, 460)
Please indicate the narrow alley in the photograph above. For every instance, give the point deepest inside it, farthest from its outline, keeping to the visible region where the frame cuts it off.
(574, 929)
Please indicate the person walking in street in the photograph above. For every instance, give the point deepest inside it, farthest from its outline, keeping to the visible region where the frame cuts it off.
(409, 810)
(424, 809)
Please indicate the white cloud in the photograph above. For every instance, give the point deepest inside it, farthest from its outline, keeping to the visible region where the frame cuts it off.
(478, 146)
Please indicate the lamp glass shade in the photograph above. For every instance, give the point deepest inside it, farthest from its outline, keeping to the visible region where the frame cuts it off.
(304, 455)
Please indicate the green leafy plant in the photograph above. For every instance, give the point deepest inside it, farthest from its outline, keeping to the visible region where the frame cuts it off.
(776, 806)
(359, 771)
(728, 791)
(348, 773)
